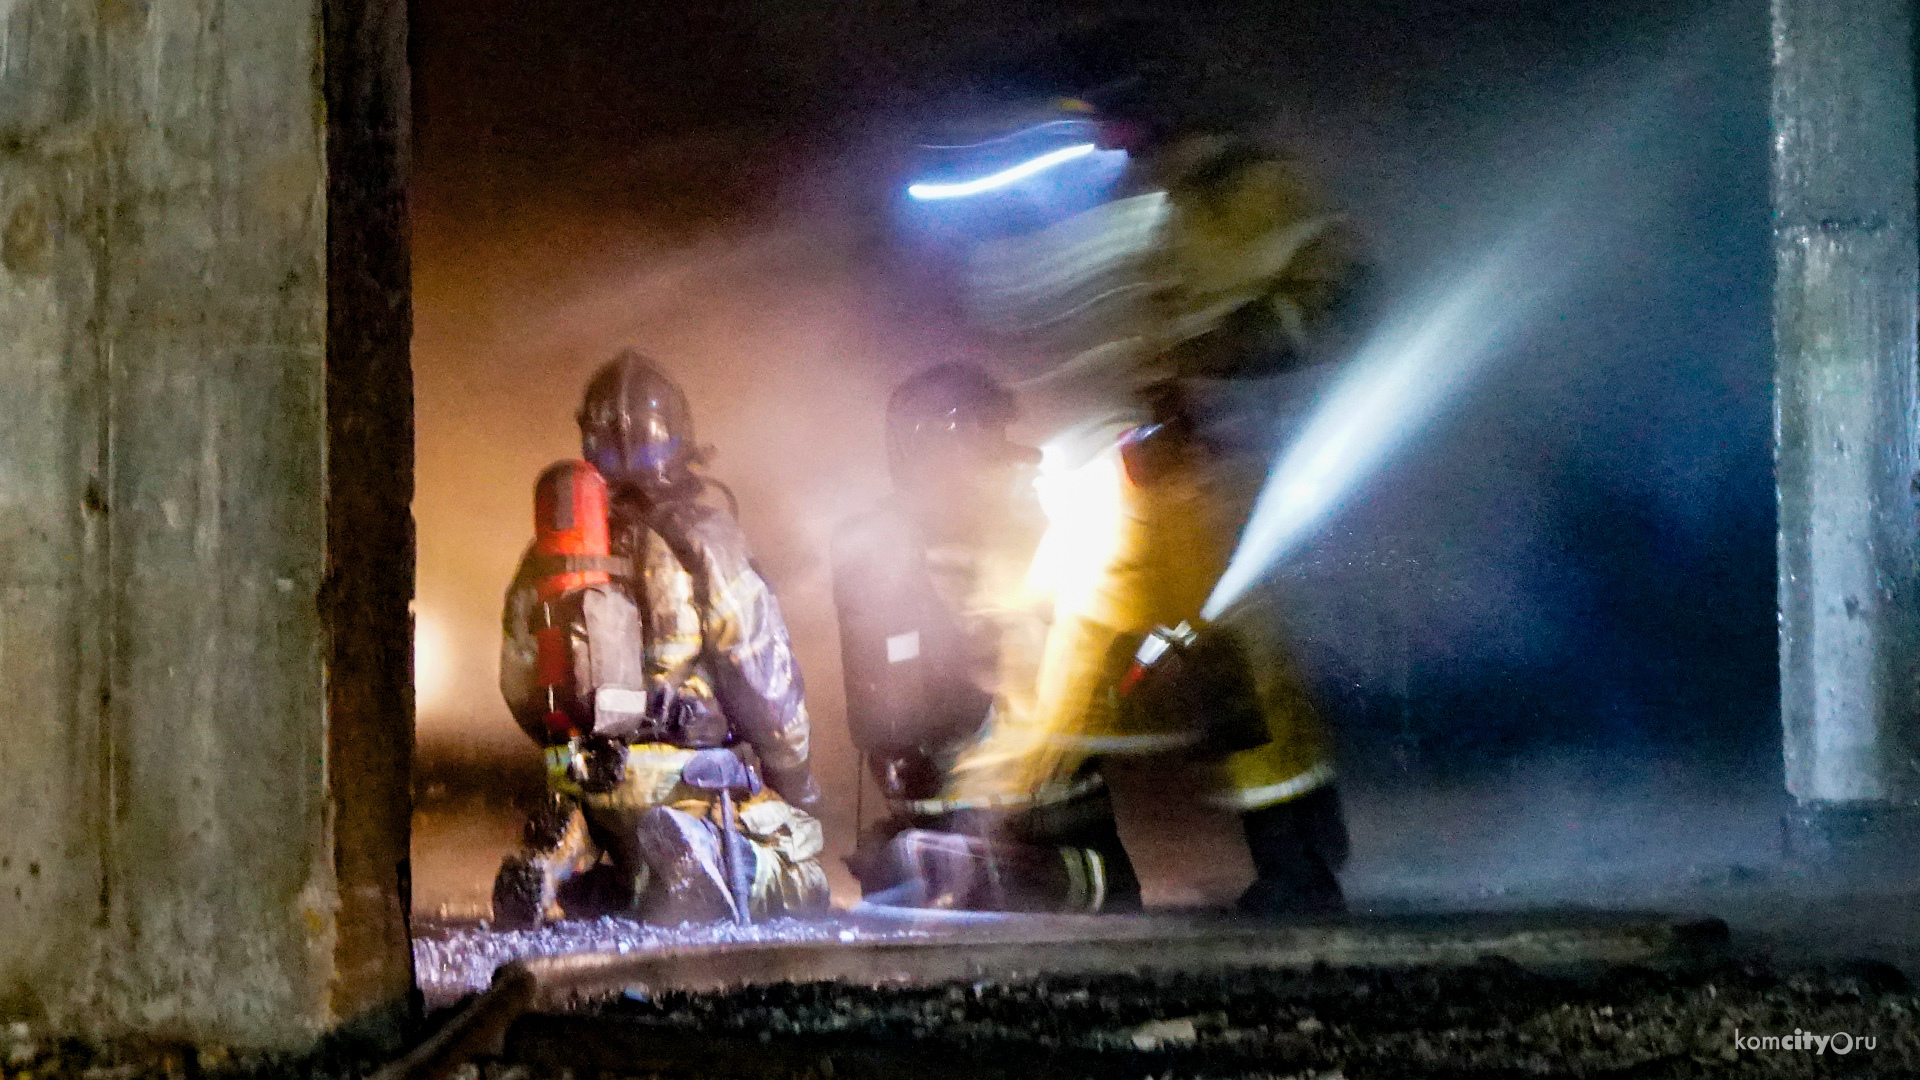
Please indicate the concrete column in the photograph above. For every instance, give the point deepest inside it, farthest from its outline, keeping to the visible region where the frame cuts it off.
(205, 543)
(1846, 417)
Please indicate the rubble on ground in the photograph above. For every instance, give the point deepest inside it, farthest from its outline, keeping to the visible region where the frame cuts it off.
(1490, 1019)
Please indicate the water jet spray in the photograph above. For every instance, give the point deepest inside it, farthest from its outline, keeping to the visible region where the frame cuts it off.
(1402, 376)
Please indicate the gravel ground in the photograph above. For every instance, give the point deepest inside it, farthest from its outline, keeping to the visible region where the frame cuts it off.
(451, 961)
(1492, 1019)
(1489, 1020)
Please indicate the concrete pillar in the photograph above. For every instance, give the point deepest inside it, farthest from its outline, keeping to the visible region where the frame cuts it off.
(205, 540)
(1847, 423)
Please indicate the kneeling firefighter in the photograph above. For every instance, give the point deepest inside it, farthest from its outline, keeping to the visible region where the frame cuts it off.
(940, 630)
(646, 654)
(1252, 295)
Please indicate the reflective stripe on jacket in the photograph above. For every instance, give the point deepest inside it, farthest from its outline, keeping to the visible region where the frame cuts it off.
(1175, 532)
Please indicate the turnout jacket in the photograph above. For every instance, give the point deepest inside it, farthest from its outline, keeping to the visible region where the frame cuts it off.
(687, 648)
(1179, 507)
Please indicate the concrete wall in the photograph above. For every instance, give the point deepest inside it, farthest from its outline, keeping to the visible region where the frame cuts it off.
(204, 713)
(1847, 412)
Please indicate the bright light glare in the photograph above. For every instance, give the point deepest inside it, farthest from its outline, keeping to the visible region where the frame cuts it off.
(1011, 175)
(432, 663)
(1083, 508)
(1398, 381)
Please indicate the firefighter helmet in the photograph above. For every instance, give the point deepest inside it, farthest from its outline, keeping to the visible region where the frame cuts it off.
(636, 428)
(948, 413)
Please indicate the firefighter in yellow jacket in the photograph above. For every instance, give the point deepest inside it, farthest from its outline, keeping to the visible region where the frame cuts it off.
(1253, 280)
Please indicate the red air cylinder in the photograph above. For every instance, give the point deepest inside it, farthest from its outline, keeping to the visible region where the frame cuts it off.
(570, 519)
(569, 529)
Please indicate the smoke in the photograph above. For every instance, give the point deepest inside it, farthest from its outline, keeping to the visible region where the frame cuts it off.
(1576, 545)
(1401, 377)
(787, 335)
(1476, 303)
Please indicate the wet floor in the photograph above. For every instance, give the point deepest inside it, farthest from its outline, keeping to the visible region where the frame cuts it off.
(451, 961)
(1544, 837)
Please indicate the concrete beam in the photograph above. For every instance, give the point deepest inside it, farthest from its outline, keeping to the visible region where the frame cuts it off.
(1847, 418)
(205, 554)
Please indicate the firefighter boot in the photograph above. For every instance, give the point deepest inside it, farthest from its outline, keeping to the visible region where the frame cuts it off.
(522, 896)
(555, 847)
(948, 870)
(683, 852)
(1296, 846)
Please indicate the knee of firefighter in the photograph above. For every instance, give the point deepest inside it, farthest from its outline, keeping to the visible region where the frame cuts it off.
(773, 823)
(686, 827)
(784, 887)
(786, 844)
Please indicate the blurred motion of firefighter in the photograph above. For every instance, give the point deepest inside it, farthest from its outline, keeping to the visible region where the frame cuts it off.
(647, 656)
(940, 630)
(1247, 287)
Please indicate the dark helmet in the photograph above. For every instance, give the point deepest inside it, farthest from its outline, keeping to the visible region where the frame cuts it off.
(945, 414)
(636, 428)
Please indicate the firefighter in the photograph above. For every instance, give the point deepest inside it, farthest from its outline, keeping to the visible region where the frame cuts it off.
(667, 698)
(941, 628)
(1254, 281)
